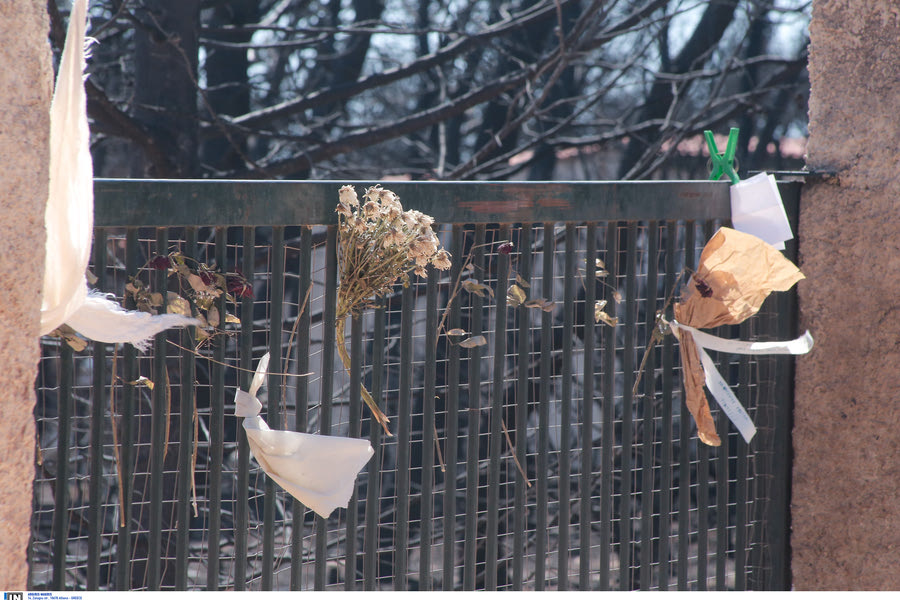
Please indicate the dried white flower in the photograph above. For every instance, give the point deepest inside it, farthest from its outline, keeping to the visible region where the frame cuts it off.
(441, 260)
(343, 209)
(347, 195)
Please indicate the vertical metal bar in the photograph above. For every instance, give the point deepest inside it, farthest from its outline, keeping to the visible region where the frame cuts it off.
(304, 297)
(474, 419)
(496, 440)
(216, 429)
(158, 439)
(428, 428)
(649, 534)
(373, 486)
(587, 412)
(242, 508)
(99, 404)
(61, 486)
(778, 515)
(523, 384)
(273, 412)
(703, 457)
(607, 440)
(451, 455)
(185, 439)
(685, 443)
(127, 427)
(741, 489)
(626, 525)
(722, 457)
(327, 381)
(543, 445)
(565, 424)
(667, 433)
(401, 537)
(355, 431)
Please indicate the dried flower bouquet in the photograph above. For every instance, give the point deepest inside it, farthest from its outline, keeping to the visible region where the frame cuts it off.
(378, 243)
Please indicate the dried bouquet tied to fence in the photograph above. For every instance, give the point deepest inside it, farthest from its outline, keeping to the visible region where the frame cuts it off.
(737, 272)
(379, 243)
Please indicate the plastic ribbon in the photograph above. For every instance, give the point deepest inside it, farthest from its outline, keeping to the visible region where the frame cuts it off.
(69, 216)
(318, 470)
(717, 385)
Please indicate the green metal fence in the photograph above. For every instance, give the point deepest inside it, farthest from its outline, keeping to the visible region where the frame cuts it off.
(526, 463)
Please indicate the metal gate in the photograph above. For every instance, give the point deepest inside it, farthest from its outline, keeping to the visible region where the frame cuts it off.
(527, 462)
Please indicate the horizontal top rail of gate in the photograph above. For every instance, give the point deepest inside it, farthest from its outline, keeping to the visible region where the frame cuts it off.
(175, 203)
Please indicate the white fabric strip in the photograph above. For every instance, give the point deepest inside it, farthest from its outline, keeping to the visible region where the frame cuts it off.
(69, 216)
(718, 387)
(318, 470)
(726, 399)
(801, 345)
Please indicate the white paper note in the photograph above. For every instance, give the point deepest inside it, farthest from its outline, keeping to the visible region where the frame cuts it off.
(757, 209)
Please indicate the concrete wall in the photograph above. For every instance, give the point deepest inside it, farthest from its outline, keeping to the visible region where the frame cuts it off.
(25, 92)
(846, 489)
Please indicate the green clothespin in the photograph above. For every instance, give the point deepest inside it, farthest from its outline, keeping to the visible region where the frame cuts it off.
(722, 163)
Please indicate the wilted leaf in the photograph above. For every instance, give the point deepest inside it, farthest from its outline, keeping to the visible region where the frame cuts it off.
(230, 318)
(478, 340)
(601, 268)
(178, 305)
(156, 299)
(91, 278)
(468, 268)
(76, 343)
(70, 336)
(197, 283)
(457, 331)
(600, 314)
(212, 316)
(205, 301)
(142, 381)
(617, 297)
(521, 281)
(542, 303)
(474, 287)
(515, 296)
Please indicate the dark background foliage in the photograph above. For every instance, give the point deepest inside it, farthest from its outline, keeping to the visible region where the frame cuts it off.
(435, 89)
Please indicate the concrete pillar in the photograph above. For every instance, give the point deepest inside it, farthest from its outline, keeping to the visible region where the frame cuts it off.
(846, 503)
(25, 92)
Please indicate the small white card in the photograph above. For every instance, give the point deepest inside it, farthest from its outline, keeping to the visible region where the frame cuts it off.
(757, 209)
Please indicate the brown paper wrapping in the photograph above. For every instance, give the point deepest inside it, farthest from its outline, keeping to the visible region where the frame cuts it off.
(737, 272)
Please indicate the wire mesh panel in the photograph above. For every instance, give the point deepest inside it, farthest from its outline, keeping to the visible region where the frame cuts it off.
(536, 442)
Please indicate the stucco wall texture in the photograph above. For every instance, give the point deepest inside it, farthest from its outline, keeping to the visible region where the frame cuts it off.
(846, 514)
(25, 92)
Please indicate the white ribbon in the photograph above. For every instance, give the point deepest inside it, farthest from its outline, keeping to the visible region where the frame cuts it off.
(718, 387)
(69, 216)
(318, 470)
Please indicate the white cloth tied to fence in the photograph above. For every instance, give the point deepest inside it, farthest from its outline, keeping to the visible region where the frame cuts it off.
(717, 385)
(69, 217)
(318, 470)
